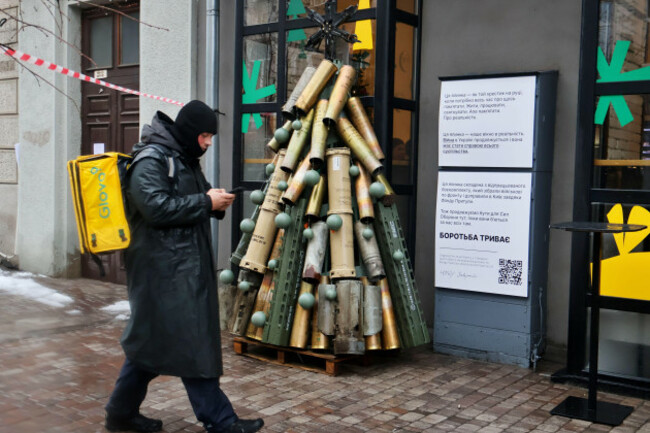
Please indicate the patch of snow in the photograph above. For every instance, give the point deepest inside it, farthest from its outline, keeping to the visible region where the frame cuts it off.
(122, 317)
(118, 307)
(21, 284)
(73, 312)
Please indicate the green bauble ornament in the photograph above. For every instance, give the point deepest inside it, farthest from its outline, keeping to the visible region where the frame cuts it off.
(398, 255)
(334, 222)
(269, 169)
(258, 319)
(367, 233)
(272, 264)
(308, 233)
(354, 171)
(330, 293)
(283, 185)
(247, 225)
(312, 177)
(377, 190)
(281, 135)
(226, 276)
(306, 300)
(257, 197)
(296, 125)
(282, 220)
(244, 286)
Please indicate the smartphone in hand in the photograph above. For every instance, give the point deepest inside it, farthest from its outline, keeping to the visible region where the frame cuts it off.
(237, 190)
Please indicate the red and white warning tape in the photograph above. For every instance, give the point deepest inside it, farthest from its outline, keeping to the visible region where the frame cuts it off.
(23, 57)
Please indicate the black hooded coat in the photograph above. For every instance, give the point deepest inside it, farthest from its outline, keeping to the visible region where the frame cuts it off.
(174, 324)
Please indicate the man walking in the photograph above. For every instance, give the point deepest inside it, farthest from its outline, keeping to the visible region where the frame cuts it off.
(174, 324)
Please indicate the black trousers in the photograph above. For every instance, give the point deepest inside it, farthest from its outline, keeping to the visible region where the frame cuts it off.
(210, 404)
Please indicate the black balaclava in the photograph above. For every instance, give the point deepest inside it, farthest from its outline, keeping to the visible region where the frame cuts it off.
(192, 120)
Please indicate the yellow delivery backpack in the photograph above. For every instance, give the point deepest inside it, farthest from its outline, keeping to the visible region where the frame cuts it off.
(97, 183)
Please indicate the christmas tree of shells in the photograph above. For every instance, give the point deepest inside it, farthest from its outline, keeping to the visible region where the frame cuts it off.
(322, 262)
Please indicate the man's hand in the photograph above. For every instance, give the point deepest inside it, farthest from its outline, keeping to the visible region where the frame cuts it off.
(221, 200)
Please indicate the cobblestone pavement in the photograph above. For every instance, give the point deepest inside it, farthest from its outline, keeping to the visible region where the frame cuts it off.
(58, 365)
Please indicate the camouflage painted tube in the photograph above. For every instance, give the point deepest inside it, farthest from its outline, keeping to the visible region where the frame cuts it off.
(349, 318)
(389, 335)
(289, 107)
(360, 119)
(342, 86)
(315, 254)
(300, 327)
(342, 250)
(319, 341)
(274, 145)
(369, 253)
(297, 143)
(364, 201)
(297, 184)
(355, 141)
(319, 133)
(310, 94)
(339, 190)
(312, 213)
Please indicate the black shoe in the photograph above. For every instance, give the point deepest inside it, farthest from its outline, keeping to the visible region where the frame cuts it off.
(245, 426)
(137, 423)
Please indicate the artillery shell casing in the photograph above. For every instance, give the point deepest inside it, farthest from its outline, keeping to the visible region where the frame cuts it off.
(300, 327)
(369, 249)
(344, 81)
(288, 109)
(315, 253)
(355, 141)
(389, 336)
(309, 95)
(257, 255)
(272, 198)
(364, 201)
(319, 341)
(360, 119)
(265, 293)
(244, 301)
(297, 143)
(339, 190)
(312, 213)
(389, 197)
(342, 250)
(297, 184)
(373, 342)
(326, 317)
(319, 133)
(244, 241)
(349, 337)
(274, 145)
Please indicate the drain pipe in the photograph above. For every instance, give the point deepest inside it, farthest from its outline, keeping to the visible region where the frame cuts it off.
(212, 99)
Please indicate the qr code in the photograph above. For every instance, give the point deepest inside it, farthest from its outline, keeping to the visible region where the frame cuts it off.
(510, 272)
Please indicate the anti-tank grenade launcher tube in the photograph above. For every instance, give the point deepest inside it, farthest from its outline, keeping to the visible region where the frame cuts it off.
(319, 133)
(315, 254)
(338, 98)
(297, 143)
(289, 107)
(297, 183)
(359, 118)
(370, 253)
(265, 229)
(274, 144)
(312, 213)
(312, 90)
(355, 141)
(364, 201)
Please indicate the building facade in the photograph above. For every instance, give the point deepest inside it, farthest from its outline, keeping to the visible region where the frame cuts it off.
(208, 49)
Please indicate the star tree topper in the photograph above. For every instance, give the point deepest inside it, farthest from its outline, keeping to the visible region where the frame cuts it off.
(329, 28)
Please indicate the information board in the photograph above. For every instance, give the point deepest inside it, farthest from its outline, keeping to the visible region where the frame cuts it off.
(487, 122)
(482, 232)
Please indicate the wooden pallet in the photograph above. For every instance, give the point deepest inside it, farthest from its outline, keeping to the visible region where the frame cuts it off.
(298, 358)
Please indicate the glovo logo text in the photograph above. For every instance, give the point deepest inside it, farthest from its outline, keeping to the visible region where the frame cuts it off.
(104, 209)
